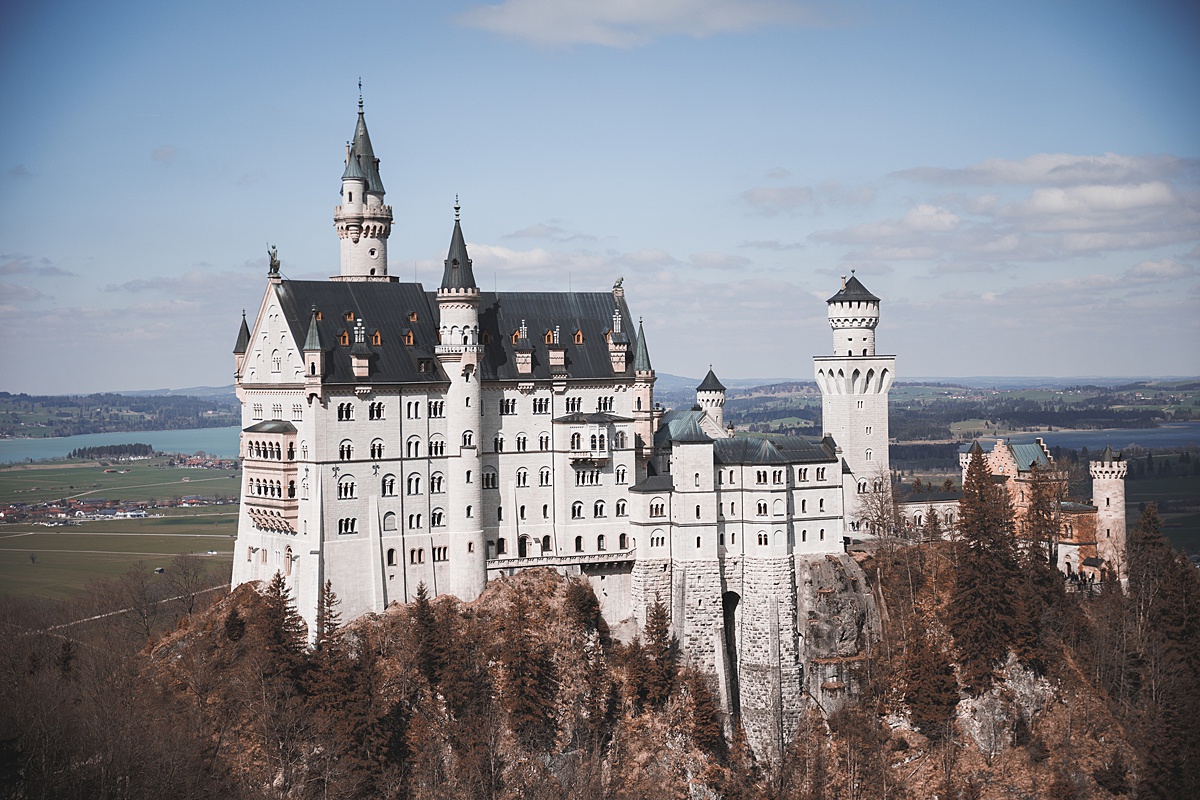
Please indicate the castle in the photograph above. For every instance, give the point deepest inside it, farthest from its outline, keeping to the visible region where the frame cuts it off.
(394, 436)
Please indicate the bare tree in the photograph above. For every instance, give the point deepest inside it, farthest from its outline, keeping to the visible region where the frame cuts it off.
(187, 577)
(878, 511)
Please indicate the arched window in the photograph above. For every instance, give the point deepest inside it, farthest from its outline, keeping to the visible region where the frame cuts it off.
(821, 505)
(412, 448)
(346, 489)
(389, 521)
(576, 441)
(623, 542)
(803, 506)
(469, 513)
(346, 450)
(501, 546)
(578, 544)
(598, 509)
(762, 508)
(391, 557)
(436, 483)
(287, 563)
(544, 441)
(546, 543)
(862, 486)
(697, 512)
(522, 477)
(468, 439)
(377, 449)
(621, 475)
(577, 510)
(870, 455)
(777, 507)
(437, 518)
(622, 509)
(498, 443)
(593, 441)
(413, 484)
(600, 542)
(544, 477)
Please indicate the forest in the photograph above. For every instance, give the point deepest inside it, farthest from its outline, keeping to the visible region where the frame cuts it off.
(38, 416)
(993, 678)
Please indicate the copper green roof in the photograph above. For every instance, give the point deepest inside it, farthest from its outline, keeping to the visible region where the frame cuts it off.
(457, 274)
(313, 340)
(641, 356)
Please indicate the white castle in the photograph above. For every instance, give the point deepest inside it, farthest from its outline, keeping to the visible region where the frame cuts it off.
(394, 436)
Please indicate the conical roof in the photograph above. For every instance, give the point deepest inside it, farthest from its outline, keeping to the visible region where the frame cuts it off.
(243, 340)
(641, 356)
(1109, 455)
(853, 291)
(457, 274)
(362, 163)
(710, 383)
(313, 340)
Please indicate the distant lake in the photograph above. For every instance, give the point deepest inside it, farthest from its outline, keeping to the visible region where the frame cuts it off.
(221, 442)
(1172, 435)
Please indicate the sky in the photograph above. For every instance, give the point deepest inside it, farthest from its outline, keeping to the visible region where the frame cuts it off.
(1019, 182)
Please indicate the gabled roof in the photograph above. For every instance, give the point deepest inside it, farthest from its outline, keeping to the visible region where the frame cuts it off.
(1026, 455)
(243, 340)
(654, 484)
(457, 274)
(689, 432)
(599, 418)
(852, 292)
(710, 383)
(362, 163)
(641, 355)
(676, 423)
(780, 450)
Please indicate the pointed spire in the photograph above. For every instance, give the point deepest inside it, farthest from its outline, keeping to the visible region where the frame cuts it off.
(313, 340)
(361, 163)
(853, 290)
(243, 340)
(641, 356)
(710, 382)
(457, 274)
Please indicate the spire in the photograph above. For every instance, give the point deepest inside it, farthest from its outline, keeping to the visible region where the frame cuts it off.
(641, 356)
(710, 382)
(361, 162)
(853, 290)
(243, 340)
(458, 273)
(313, 340)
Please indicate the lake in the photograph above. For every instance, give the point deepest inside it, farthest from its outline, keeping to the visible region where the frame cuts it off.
(221, 442)
(1173, 435)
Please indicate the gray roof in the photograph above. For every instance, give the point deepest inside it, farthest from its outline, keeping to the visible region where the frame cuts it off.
(641, 356)
(710, 383)
(385, 307)
(271, 426)
(599, 418)
(852, 292)
(674, 423)
(654, 484)
(780, 450)
(362, 163)
(457, 274)
(243, 340)
(1109, 455)
(689, 432)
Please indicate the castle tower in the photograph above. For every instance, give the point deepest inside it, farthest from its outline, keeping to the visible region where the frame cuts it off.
(363, 222)
(854, 384)
(460, 352)
(710, 396)
(643, 402)
(1108, 495)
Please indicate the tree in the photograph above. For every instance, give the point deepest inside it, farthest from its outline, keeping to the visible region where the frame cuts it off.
(985, 593)
(930, 688)
(529, 680)
(186, 576)
(877, 510)
(661, 650)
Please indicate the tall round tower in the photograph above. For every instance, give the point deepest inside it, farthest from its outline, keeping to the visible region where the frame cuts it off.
(854, 384)
(1108, 494)
(710, 396)
(460, 352)
(363, 222)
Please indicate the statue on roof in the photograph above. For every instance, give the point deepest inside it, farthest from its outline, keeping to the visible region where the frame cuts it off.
(620, 281)
(273, 254)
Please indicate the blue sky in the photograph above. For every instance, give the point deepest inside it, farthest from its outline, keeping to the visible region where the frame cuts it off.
(1019, 182)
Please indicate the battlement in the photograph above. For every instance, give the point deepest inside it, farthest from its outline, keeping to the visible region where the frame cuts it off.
(1108, 470)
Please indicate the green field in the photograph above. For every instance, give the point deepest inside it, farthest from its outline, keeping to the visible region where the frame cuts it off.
(68, 558)
(1181, 526)
(38, 483)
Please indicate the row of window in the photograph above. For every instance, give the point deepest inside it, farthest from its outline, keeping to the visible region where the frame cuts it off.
(270, 450)
(417, 555)
(437, 445)
(777, 476)
(265, 488)
(277, 411)
(500, 546)
(375, 410)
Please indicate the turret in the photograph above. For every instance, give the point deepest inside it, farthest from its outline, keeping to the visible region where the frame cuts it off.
(643, 401)
(239, 349)
(853, 315)
(460, 353)
(618, 343)
(1108, 495)
(314, 359)
(363, 222)
(710, 396)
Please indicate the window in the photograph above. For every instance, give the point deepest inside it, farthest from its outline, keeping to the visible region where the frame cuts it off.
(803, 506)
(414, 522)
(345, 450)
(763, 539)
(868, 430)
(697, 480)
(437, 409)
(598, 509)
(545, 511)
(437, 446)
(697, 542)
(578, 337)
(820, 473)
(345, 412)
(762, 508)
(416, 556)
(387, 486)
(822, 534)
(862, 486)
(436, 483)
(389, 524)
(470, 512)
(498, 443)
(490, 479)
(391, 556)
(802, 474)
(658, 508)
(412, 448)
(576, 441)
(622, 509)
(413, 484)
(697, 512)
(522, 443)
(600, 542)
(347, 525)
(760, 476)
(623, 542)
(546, 544)
(522, 477)
(346, 488)
(777, 476)
(521, 513)
(467, 479)
(437, 518)
(375, 411)
(604, 404)
(621, 475)
(258, 412)
(821, 505)
(877, 486)
(377, 449)
(277, 411)
(860, 403)
(468, 439)
(297, 412)
(544, 441)
(574, 405)
(541, 405)
(577, 510)
(500, 514)
(544, 477)
(870, 455)
(441, 554)
(578, 544)
(619, 440)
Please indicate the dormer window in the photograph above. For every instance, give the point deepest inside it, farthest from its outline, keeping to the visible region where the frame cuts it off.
(578, 337)
(408, 338)
(376, 339)
(344, 339)
(516, 336)
(349, 316)
(549, 337)
(486, 338)
(412, 316)
(318, 316)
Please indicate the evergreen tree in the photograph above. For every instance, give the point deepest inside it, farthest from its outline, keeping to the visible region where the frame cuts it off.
(930, 688)
(426, 635)
(284, 631)
(661, 650)
(985, 602)
(529, 681)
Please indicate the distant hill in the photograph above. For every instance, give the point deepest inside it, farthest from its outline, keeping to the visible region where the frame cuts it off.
(193, 391)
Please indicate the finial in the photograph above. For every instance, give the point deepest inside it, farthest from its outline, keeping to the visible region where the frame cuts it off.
(456, 208)
(360, 94)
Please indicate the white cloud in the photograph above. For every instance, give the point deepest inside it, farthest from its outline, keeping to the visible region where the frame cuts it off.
(1165, 270)
(1059, 169)
(772, 200)
(629, 23)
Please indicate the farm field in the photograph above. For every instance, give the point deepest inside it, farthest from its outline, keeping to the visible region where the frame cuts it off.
(39, 483)
(65, 559)
(1181, 526)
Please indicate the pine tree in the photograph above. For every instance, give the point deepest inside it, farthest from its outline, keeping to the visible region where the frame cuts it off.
(529, 681)
(283, 629)
(661, 650)
(930, 688)
(426, 636)
(985, 602)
